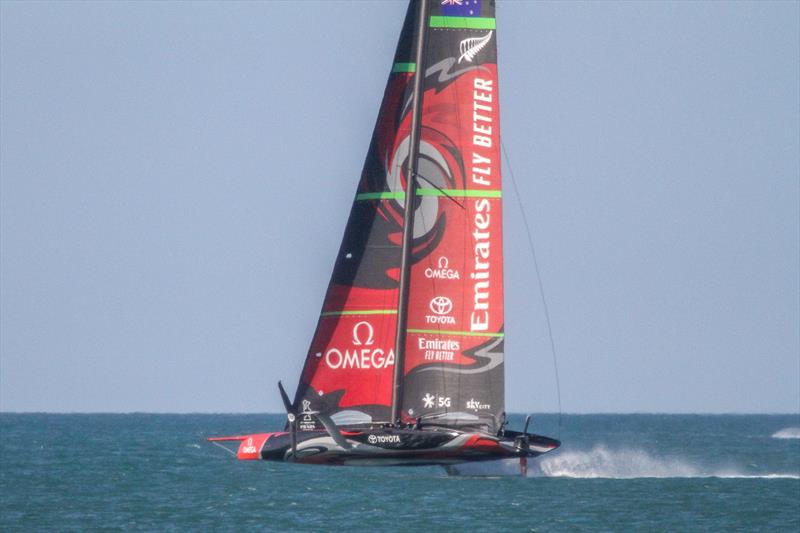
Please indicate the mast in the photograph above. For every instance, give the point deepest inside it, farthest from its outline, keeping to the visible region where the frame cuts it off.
(408, 216)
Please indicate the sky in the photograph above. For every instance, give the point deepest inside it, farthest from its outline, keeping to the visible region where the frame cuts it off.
(175, 179)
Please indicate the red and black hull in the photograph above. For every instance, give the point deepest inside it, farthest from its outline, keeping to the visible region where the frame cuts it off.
(387, 446)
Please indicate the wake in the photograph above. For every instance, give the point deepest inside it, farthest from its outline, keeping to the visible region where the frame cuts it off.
(787, 433)
(603, 463)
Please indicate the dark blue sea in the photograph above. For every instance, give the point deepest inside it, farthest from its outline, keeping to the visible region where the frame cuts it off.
(156, 472)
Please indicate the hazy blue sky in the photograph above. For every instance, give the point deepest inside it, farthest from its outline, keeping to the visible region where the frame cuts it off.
(175, 180)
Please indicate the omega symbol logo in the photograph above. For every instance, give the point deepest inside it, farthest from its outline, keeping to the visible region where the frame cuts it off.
(443, 262)
(362, 327)
(441, 305)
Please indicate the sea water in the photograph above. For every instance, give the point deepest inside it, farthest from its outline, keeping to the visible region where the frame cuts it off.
(156, 472)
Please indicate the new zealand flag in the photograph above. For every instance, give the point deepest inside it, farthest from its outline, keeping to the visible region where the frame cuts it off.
(461, 8)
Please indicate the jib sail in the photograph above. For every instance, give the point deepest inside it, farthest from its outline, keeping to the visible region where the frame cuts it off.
(453, 364)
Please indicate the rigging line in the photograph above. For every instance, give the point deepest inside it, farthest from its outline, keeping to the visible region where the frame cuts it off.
(459, 204)
(224, 448)
(538, 279)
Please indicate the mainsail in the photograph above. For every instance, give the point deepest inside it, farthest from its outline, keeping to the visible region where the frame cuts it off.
(453, 358)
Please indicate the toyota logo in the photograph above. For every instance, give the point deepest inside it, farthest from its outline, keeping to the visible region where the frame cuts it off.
(441, 305)
(372, 439)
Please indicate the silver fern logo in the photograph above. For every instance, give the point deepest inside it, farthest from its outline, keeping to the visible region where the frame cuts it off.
(470, 47)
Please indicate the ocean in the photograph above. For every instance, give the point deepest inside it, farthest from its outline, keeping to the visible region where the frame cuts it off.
(156, 472)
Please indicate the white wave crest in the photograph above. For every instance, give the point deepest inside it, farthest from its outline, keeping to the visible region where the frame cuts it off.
(602, 462)
(787, 433)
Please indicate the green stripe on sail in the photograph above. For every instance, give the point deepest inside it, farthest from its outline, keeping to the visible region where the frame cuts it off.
(404, 67)
(360, 312)
(453, 193)
(469, 23)
(459, 193)
(381, 195)
(460, 333)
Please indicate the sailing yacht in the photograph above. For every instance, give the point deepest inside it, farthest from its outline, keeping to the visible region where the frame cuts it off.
(406, 366)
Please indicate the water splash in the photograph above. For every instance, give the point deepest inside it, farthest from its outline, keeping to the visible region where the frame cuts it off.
(787, 433)
(602, 462)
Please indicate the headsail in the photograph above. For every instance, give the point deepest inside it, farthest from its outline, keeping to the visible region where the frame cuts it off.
(453, 370)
